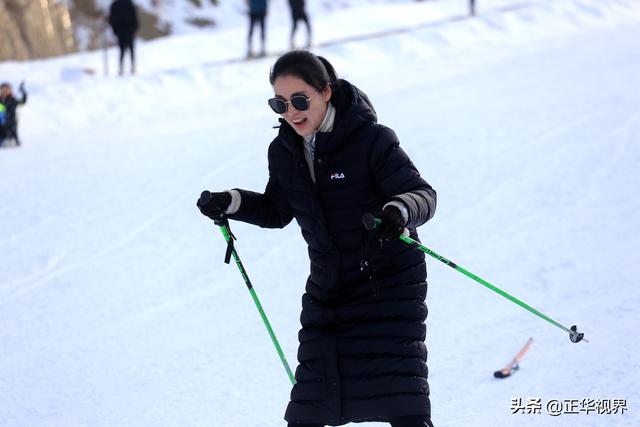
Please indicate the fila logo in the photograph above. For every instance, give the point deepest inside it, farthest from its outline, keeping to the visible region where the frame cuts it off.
(337, 175)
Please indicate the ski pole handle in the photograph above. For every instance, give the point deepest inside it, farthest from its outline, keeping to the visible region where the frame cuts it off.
(218, 216)
(205, 196)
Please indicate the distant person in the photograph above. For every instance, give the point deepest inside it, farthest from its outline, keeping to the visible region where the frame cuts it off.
(298, 13)
(3, 114)
(9, 120)
(257, 15)
(123, 19)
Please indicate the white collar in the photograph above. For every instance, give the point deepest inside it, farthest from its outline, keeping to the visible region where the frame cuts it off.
(327, 123)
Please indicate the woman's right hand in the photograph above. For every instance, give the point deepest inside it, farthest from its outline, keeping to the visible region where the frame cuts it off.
(214, 205)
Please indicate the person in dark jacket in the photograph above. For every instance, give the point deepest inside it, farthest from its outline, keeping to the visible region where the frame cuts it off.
(257, 15)
(362, 355)
(298, 13)
(9, 121)
(123, 19)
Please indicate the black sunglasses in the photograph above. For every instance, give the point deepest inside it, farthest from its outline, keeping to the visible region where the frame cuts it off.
(280, 106)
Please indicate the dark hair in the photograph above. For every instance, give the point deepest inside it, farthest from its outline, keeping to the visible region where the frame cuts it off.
(316, 71)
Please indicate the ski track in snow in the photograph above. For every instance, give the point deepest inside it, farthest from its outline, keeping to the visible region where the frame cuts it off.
(116, 308)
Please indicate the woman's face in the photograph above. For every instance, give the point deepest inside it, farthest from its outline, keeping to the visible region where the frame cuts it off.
(303, 122)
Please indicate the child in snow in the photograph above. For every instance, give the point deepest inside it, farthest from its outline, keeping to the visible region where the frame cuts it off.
(362, 353)
(3, 114)
(9, 120)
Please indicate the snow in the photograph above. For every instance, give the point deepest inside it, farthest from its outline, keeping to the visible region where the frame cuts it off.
(117, 310)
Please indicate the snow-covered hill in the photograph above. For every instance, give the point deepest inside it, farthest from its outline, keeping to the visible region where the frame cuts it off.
(116, 308)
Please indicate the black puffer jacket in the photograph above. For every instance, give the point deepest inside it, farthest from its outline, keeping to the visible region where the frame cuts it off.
(362, 354)
(123, 17)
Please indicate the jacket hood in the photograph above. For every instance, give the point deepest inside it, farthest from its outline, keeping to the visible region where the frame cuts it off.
(353, 110)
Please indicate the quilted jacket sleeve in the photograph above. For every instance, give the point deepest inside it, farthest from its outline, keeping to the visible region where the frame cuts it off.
(269, 209)
(399, 179)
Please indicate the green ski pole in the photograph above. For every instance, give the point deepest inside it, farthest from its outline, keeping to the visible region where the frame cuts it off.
(370, 223)
(223, 223)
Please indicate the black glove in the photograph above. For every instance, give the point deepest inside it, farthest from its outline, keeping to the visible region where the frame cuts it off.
(392, 223)
(214, 205)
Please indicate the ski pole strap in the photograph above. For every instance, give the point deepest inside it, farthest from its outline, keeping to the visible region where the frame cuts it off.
(223, 223)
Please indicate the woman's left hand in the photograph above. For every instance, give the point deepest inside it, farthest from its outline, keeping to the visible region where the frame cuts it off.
(392, 224)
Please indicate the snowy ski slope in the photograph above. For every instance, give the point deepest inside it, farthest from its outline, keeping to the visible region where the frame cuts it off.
(116, 308)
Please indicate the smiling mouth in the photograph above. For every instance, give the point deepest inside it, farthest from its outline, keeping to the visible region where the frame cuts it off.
(299, 122)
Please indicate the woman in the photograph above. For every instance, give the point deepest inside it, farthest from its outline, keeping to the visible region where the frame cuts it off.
(362, 355)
